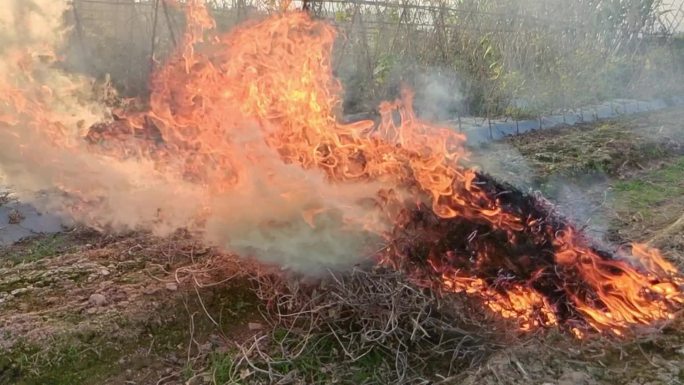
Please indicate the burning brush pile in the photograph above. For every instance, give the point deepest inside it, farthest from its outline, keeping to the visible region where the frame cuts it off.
(242, 143)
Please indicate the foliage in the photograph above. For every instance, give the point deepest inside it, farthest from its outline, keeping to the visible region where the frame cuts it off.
(508, 56)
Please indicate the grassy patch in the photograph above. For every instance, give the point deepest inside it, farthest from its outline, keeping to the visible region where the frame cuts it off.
(655, 188)
(608, 148)
(66, 361)
(222, 367)
(91, 357)
(319, 361)
(36, 249)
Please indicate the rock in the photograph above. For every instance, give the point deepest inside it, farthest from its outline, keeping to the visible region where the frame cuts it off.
(255, 326)
(15, 217)
(244, 373)
(104, 272)
(171, 286)
(97, 300)
(572, 377)
(19, 291)
(150, 290)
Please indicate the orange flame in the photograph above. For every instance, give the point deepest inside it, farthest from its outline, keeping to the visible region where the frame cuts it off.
(273, 80)
(624, 294)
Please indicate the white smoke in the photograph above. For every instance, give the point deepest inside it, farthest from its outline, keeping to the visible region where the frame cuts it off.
(438, 96)
(279, 213)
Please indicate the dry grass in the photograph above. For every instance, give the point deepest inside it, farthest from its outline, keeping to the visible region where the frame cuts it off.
(362, 327)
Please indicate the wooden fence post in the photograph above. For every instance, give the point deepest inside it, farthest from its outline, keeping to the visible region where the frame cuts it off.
(168, 23)
(154, 35)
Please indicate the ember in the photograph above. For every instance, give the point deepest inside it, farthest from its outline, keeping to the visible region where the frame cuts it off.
(449, 227)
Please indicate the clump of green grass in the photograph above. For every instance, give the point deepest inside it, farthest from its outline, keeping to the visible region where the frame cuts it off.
(36, 249)
(651, 189)
(314, 359)
(65, 361)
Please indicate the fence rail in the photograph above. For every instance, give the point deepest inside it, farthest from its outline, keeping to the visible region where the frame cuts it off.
(388, 39)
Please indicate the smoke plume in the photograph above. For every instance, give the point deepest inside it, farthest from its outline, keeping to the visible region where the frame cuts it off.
(277, 212)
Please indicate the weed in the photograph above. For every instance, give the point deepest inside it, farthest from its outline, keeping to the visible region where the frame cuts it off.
(187, 373)
(222, 367)
(37, 249)
(66, 361)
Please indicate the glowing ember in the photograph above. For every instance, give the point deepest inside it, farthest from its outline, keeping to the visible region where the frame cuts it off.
(448, 227)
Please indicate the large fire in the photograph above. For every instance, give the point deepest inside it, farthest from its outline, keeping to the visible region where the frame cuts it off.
(272, 80)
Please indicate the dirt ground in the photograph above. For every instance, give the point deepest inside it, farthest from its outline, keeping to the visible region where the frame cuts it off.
(81, 307)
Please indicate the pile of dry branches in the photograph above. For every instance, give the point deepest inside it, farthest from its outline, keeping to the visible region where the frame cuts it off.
(364, 327)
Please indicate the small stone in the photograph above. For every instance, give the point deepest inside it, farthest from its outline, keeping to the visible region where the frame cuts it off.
(15, 217)
(255, 326)
(91, 310)
(150, 290)
(97, 300)
(104, 272)
(573, 377)
(244, 373)
(681, 351)
(171, 286)
(18, 291)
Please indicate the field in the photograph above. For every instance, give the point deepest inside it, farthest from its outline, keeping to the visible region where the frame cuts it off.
(83, 307)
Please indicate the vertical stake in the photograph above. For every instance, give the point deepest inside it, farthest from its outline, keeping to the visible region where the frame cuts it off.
(168, 23)
(491, 135)
(154, 35)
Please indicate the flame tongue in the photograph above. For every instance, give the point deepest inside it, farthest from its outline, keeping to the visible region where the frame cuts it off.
(254, 111)
(542, 274)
